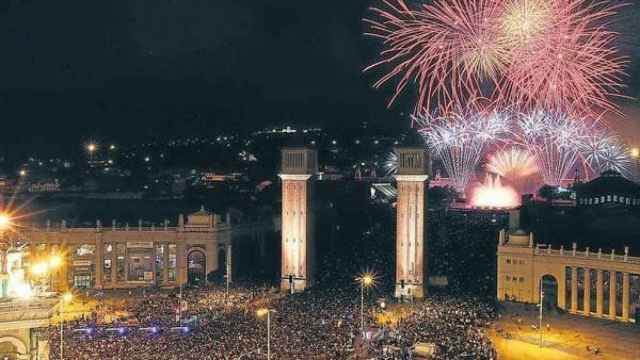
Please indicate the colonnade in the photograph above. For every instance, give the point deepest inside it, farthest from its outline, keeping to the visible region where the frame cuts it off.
(599, 291)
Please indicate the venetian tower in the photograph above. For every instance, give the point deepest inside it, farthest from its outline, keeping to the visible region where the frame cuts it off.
(298, 247)
(412, 183)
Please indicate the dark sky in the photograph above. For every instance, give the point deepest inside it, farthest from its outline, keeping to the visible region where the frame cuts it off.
(120, 69)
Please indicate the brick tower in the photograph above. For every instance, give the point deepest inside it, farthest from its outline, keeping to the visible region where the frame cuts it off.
(411, 178)
(298, 248)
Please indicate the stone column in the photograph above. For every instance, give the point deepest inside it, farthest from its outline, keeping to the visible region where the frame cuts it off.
(599, 292)
(165, 263)
(114, 261)
(99, 260)
(625, 297)
(154, 262)
(298, 166)
(562, 291)
(126, 262)
(587, 292)
(412, 177)
(180, 262)
(574, 289)
(612, 294)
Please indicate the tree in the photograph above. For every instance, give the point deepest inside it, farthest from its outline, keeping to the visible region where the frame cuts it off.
(547, 192)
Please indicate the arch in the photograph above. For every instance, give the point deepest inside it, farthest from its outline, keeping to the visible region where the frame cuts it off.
(20, 347)
(196, 266)
(550, 290)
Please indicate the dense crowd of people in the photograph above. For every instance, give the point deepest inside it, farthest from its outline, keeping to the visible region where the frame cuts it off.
(318, 324)
(323, 322)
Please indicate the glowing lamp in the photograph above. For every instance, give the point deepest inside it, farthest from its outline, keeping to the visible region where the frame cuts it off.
(55, 261)
(67, 297)
(40, 268)
(5, 221)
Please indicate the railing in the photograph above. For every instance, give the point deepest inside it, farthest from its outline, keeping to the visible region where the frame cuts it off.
(586, 254)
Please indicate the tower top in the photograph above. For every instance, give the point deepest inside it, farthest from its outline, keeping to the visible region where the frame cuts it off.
(299, 161)
(413, 161)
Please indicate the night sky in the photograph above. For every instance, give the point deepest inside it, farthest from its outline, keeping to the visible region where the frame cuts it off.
(134, 70)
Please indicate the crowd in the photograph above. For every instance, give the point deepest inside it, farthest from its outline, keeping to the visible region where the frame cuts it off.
(321, 323)
(318, 324)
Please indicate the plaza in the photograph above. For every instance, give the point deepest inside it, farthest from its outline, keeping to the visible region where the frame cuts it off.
(516, 336)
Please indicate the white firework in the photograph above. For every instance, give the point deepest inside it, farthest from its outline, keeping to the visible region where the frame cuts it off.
(459, 139)
(554, 139)
(391, 163)
(601, 151)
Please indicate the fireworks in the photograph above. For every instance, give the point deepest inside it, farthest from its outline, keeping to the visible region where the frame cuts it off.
(542, 143)
(446, 48)
(512, 163)
(603, 151)
(554, 55)
(459, 139)
(391, 163)
(573, 67)
(555, 141)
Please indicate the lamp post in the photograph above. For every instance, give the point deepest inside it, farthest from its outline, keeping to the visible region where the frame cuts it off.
(65, 298)
(366, 280)
(267, 312)
(540, 315)
(91, 148)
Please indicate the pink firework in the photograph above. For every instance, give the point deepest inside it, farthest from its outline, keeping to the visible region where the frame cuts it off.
(570, 65)
(551, 55)
(448, 49)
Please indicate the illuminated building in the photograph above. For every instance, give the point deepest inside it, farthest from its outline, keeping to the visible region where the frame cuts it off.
(586, 282)
(117, 256)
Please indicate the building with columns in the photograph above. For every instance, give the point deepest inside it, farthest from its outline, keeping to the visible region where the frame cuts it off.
(124, 256)
(412, 176)
(298, 167)
(585, 282)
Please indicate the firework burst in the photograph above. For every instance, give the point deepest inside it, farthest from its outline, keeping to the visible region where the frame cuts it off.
(512, 163)
(569, 64)
(603, 151)
(555, 55)
(446, 48)
(391, 163)
(459, 140)
(555, 140)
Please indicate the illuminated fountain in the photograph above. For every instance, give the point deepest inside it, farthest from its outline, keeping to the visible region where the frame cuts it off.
(492, 194)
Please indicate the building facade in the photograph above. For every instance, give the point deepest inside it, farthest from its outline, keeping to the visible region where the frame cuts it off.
(111, 257)
(605, 285)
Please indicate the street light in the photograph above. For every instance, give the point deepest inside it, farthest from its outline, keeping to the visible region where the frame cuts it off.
(40, 269)
(66, 298)
(366, 280)
(262, 312)
(55, 261)
(91, 148)
(540, 315)
(5, 221)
